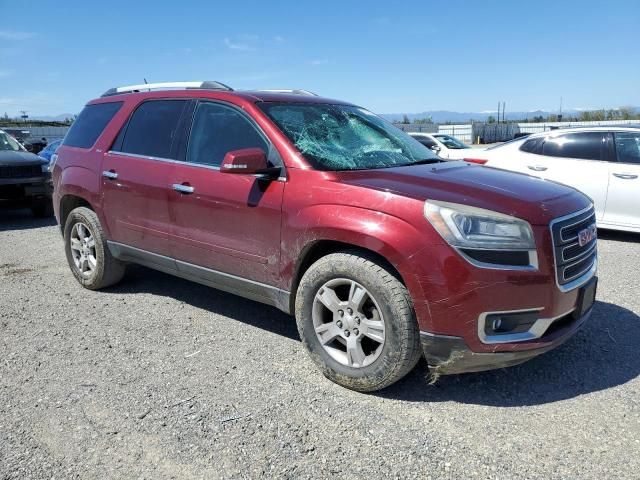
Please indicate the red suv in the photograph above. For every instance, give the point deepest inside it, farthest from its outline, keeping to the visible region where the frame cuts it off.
(382, 251)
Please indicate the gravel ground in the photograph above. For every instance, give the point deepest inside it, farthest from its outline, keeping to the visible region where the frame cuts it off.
(162, 378)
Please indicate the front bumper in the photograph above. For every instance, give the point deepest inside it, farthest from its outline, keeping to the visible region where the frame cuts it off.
(18, 188)
(447, 355)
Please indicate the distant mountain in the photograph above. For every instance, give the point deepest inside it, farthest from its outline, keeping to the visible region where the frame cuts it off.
(57, 118)
(443, 116)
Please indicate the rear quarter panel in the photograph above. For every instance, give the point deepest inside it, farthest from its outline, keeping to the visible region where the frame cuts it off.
(78, 170)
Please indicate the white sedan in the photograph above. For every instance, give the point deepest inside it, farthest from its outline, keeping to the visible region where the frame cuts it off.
(603, 162)
(444, 145)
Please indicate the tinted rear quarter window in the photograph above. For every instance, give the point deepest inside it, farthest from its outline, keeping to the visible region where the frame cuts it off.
(628, 147)
(533, 145)
(586, 146)
(152, 129)
(90, 123)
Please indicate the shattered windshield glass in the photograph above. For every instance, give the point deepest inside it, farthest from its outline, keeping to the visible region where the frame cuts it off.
(342, 137)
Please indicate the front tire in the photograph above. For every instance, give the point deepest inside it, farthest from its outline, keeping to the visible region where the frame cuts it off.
(357, 321)
(87, 252)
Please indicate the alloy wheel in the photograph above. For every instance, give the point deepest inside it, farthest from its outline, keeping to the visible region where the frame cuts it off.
(348, 322)
(83, 249)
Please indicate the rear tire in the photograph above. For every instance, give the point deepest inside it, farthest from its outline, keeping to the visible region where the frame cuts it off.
(87, 252)
(367, 338)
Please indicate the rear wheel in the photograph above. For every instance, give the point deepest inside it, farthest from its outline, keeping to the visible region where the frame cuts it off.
(357, 320)
(87, 253)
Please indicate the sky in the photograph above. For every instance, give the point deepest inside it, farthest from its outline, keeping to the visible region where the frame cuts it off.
(387, 56)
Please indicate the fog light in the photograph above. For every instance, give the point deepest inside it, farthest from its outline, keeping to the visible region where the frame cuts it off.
(496, 324)
(509, 322)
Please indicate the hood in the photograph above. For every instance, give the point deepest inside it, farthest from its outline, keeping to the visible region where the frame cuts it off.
(11, 158)
(533, 199)
(460, 153)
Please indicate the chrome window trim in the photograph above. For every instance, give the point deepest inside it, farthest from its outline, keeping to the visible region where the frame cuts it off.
(580, 281)
(537, 330)
(179, 162)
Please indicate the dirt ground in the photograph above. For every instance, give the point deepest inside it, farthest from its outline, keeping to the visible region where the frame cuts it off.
(161, 378)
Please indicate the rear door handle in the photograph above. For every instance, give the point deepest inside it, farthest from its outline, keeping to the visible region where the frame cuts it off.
(537, 168)
(182, 188)
(110, 174)
(625, 176)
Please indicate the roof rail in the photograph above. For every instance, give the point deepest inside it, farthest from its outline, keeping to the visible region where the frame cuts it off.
(210, 85)
(293, 91)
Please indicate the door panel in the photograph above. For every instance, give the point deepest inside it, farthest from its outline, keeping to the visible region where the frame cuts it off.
(624, 181)
(136, 172)
(223, 221)
(588, 176)
(579, 159)
(135, 202)
(229, 223)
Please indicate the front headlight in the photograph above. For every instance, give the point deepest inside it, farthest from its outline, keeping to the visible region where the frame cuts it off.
(470, 227)
(48, 168)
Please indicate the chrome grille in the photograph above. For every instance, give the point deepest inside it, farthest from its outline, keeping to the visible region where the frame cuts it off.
(573, 261)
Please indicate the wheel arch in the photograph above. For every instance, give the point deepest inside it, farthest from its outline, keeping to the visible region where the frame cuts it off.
(319, 248)
(67, 204)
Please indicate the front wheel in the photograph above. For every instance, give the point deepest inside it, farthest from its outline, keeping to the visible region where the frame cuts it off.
(357, 320)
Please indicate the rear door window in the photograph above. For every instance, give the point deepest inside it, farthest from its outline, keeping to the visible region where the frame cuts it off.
(152, 130)
(586, 146)
(217, 130)
(628, 147)
(90, 123)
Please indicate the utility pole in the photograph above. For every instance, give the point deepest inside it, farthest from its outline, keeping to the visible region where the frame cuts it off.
(504, 104)
(560, 112)
(498, 118)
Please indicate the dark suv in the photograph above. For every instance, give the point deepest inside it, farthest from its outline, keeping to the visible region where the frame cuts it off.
(24, 177)
(382, 251)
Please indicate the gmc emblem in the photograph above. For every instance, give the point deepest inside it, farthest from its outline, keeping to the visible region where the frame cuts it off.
(586, 235)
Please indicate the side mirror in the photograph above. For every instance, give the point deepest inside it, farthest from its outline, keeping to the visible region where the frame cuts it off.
(435, 148)
(248, 161)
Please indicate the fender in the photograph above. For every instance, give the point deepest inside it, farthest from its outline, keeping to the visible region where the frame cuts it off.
(393, 238)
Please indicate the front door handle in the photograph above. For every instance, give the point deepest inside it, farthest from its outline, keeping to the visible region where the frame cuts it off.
(625, 176)
(110, 174)
(182, 188)
(537, 168)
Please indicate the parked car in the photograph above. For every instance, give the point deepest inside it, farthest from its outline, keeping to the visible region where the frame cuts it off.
(326, 211)
(24, 178)
(603, 162)
(445, 146)
(49, 150)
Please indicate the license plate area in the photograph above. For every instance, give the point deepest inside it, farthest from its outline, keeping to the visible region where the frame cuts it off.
(586, 298)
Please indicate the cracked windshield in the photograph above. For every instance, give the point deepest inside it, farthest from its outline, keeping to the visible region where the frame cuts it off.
(341, 137)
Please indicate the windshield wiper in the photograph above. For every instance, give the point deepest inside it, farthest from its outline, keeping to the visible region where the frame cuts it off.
(424, 161)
